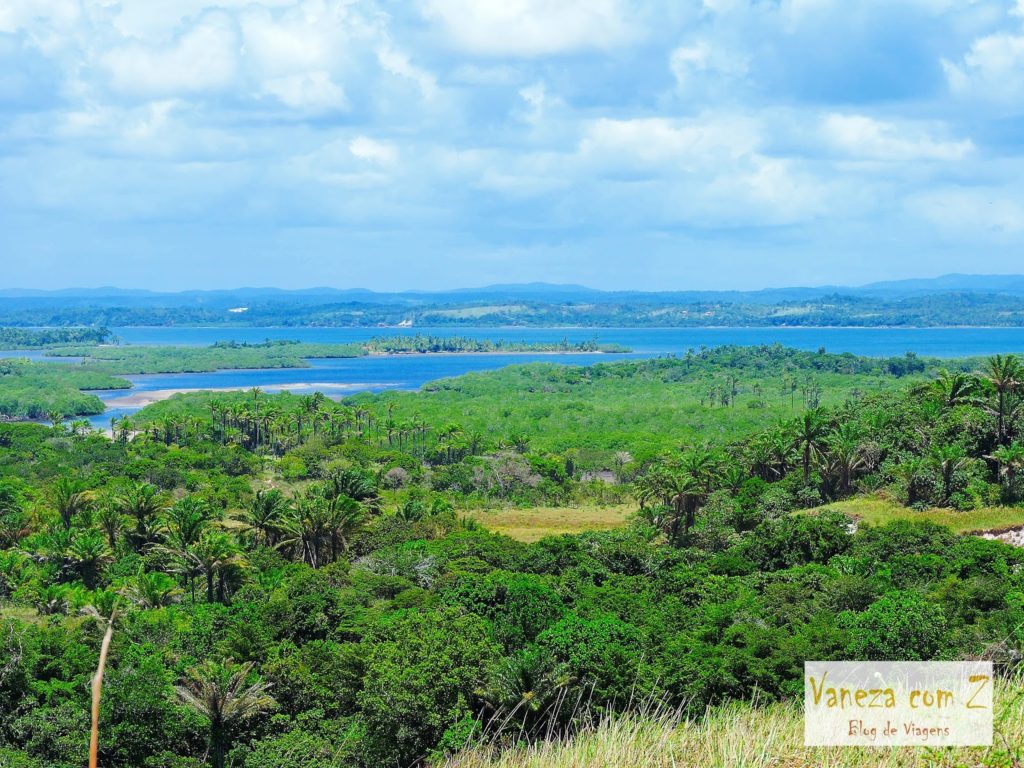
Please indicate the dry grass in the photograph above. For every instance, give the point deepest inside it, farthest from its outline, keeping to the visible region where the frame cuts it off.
(876, 511)
(743, 736)
(537, 522)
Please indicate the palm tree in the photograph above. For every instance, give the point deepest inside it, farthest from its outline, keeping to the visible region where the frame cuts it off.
(948, 460)
(346, 518)
(86, 554)
(265, 515)
(184, 522)
(353, 483)
(70, 498)
(951, 389)
(1010, 459)
(810, 435)
(771, 454)
(703, 465)
(223, 695)
(308, 527)
(144, 503)
(684, 492)
(1004, 374)
(152, 590)
(912, 470)
(844, 457)
(524, 692)
(217, 554)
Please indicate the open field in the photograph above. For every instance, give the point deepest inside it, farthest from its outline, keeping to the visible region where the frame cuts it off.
(875, 511)
(742, 736)
(537, 522)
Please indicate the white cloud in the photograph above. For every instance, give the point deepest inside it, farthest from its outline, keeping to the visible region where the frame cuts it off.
(694, 65)
(531, 27)
(667, 144)
(311, 91)
(203, 58)
(993, 69)
(864, 137)
(373, 151)
(397, 63)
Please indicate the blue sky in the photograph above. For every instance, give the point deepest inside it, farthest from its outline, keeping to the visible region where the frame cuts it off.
(447, 143)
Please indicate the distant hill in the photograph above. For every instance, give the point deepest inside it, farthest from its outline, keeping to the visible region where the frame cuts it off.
(1010, 285)
(972, 300)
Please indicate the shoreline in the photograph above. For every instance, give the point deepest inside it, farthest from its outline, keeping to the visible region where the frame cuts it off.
(150, 396)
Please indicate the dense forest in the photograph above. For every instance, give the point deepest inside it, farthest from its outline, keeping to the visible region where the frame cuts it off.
(24, 338)
(932, 310)
(291, 581)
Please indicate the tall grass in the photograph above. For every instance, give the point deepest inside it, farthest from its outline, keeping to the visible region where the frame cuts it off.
(745, 736)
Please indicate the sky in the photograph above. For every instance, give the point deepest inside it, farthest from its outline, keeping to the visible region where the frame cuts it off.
(427, 144)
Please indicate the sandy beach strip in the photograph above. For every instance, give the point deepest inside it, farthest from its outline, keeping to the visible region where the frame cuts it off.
(148, 397)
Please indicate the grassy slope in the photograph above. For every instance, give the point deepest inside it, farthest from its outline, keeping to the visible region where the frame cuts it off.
(537, 522)
(741, 736)
(875, 511)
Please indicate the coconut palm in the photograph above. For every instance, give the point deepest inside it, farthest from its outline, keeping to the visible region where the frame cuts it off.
(1010, 459)
(222, 693)
(951, 389)
(143, 503)
(110, 521)
(183, 523)
(265, 515)
(346, 517)
(70, 498)
(152, 590)
(86, 554)
(1005, 375)
(810, 436)
(771, 454)
(913, 471)
(217, 555)
(948, 460)
(843, 458)
(355, 484)
(308, 527)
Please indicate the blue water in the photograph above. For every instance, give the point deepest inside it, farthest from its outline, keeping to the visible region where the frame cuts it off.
(339, 377)
(876, 342)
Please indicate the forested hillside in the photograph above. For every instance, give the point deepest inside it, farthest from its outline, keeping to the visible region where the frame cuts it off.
(297, 582)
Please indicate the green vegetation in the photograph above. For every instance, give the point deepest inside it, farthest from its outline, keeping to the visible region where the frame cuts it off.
(606, 311)
(27, 338)
(295, 582)
(878, 511)
(595, 412)
(38, 390)
(742, 735)
(126, 360)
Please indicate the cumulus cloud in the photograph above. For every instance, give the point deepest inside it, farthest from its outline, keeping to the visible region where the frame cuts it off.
(993, 69)
(373, 151)
(865, 137)
(669, 145)
(313, 91)
(531, 27)
(203, 58)
(519, 126)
